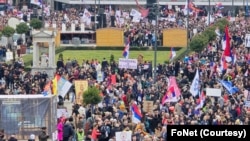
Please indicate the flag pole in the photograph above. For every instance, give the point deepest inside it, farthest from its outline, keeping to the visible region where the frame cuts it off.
(187, 25)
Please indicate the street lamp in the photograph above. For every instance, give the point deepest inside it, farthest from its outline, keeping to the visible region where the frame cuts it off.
(209, 12)
(156, 9)
(187, 25)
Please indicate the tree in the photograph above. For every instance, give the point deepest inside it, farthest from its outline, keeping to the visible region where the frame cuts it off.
(36, 23)
(22, 28)
(92, 96)
(210, 33)
(198, 43)
(8, 31)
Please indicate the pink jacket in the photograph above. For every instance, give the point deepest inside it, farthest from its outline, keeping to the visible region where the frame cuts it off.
(60, 131)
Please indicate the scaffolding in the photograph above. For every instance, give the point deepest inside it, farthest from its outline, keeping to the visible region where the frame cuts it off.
(23, 115)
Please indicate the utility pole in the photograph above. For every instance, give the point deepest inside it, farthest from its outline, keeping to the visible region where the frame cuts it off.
(187, 25)
(95, 15)
(156, 9)
(233, 10)
(209, 12)
(43, 14)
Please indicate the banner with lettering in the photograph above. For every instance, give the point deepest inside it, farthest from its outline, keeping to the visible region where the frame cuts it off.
(128, 63)
(80, 87)
(123, 136)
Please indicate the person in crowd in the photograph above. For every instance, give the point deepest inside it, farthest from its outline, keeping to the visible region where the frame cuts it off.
(32, 137)
(12, 138)
(43, 136)
(60, 129)
(80, 136)
(68, 131)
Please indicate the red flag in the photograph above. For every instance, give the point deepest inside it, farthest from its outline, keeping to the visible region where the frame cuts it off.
(144, 12)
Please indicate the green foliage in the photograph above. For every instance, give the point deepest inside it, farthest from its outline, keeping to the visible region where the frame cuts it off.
(8, 31)
(112, 58)
(92, 96)
(1, 34)
(60, 57)
(210, 33)
(198, 42)
(22, 28)
(36, 23)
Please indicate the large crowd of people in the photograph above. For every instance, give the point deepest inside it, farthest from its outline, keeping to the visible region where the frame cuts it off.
(114, 114)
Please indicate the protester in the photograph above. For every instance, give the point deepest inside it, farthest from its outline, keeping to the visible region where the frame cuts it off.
(43, 136)
(133, 88)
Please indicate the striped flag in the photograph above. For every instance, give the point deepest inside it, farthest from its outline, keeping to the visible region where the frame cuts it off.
(136, 114)
(47, 89)
(54, 84)
(126, 50)
(173, 92)
(201, 101)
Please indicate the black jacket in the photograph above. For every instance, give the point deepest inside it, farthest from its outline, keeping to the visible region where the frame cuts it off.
(43, 136)
(12, 139)
(67, 130)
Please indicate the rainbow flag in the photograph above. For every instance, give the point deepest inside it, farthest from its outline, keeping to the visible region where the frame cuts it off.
(47, 89)
(54, 84)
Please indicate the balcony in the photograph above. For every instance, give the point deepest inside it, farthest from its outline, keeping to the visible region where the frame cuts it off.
(162, 2)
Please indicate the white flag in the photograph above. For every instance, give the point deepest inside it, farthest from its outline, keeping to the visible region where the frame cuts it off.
(194, 89)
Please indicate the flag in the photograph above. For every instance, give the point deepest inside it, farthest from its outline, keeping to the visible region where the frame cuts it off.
(229, 86)
(169, 95)
(63, 86)
(201, 101)
(54, 84)
(246, 73)
(172, 54)
(136, 114)
(144, 12)
(223, 63)
(219, 5)
(126, 50)
(227, 52)
(47, 89)
(223, 42)
(37, 2)
(194, 89)
(173, 92)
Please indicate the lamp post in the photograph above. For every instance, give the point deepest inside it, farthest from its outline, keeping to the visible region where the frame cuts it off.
(156, 9)
(95, 15)
(187, 25)
(233, 10)
(209, 12)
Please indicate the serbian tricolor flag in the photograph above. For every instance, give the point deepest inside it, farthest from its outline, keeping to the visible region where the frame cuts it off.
(219, 5)
(227, 52)
(136, 114)
(172, 54)
(126, 50)
(223, 63)
(54, 84)
(200, 101)
(173, 92)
